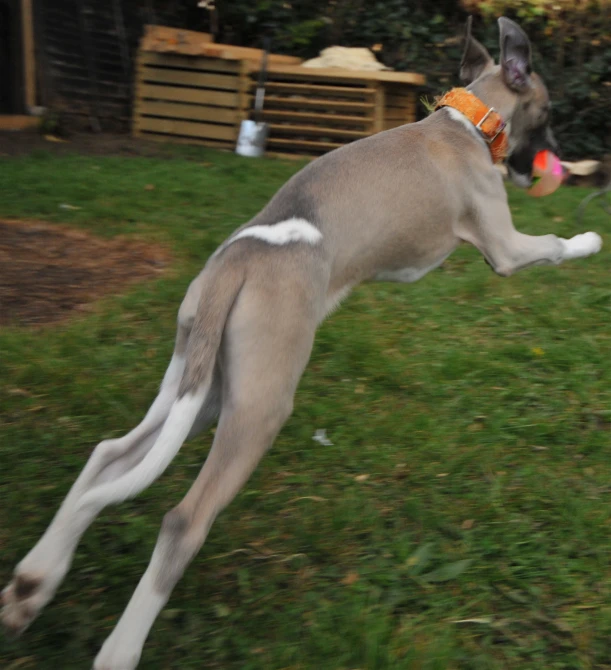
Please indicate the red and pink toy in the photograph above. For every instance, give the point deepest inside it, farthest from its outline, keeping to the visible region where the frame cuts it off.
(548, 174)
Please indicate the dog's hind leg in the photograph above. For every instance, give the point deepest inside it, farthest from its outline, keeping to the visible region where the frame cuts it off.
(39, 574)
(264, 354)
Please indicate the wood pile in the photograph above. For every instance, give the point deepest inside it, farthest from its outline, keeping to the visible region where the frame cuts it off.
(190, 89)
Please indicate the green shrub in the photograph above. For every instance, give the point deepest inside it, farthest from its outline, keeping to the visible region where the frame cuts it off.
(571, 45)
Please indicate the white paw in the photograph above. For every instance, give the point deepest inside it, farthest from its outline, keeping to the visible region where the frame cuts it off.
(582, 245)
(22, 600)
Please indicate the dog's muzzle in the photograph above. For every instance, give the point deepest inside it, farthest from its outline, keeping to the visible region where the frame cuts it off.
(520, 160)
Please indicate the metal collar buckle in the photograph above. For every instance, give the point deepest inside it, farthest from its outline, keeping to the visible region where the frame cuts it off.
(501, 127)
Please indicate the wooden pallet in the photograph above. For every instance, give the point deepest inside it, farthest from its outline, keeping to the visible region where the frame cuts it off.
(18, 122)
(400, 105)
(190, 98)
(203, 98)
(312, 111)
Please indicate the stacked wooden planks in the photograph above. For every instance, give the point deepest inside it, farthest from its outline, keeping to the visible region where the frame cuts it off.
(192, 90)
(187, 98)
(400, 104)
(311, 111)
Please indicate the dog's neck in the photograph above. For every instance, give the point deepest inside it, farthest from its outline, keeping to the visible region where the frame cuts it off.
(486, 120)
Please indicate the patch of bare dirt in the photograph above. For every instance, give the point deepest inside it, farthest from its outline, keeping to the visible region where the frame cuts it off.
(47, 271)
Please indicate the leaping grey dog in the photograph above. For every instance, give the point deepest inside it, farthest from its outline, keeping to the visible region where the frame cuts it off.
(391, 207)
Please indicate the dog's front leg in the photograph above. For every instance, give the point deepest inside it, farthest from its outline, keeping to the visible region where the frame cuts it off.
(508, 251)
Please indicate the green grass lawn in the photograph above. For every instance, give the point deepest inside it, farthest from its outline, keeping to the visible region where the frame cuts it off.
(461, 518)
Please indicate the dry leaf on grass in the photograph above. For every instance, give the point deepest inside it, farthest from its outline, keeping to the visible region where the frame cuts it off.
(350, 578)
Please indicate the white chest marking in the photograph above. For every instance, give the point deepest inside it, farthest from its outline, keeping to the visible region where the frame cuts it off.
(285, 232)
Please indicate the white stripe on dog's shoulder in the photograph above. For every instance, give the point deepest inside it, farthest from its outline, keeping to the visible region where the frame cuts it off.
(291, 230)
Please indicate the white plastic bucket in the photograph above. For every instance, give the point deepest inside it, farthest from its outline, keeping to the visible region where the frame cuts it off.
(252, 138)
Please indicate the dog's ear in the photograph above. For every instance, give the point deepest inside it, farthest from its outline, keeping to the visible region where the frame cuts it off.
(515, 55)
(475, 58)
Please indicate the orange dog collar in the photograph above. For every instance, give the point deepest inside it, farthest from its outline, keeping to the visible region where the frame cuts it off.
(486, 119)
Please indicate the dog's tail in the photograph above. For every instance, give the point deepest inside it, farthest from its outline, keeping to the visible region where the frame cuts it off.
(218, 296)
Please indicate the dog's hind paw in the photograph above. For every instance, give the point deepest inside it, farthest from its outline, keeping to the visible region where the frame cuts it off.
(21, 602)
(113, 658)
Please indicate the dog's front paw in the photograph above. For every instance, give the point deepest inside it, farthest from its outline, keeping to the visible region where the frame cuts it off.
(582, 245)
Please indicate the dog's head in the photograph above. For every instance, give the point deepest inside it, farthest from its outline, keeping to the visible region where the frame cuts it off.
(513, 86)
